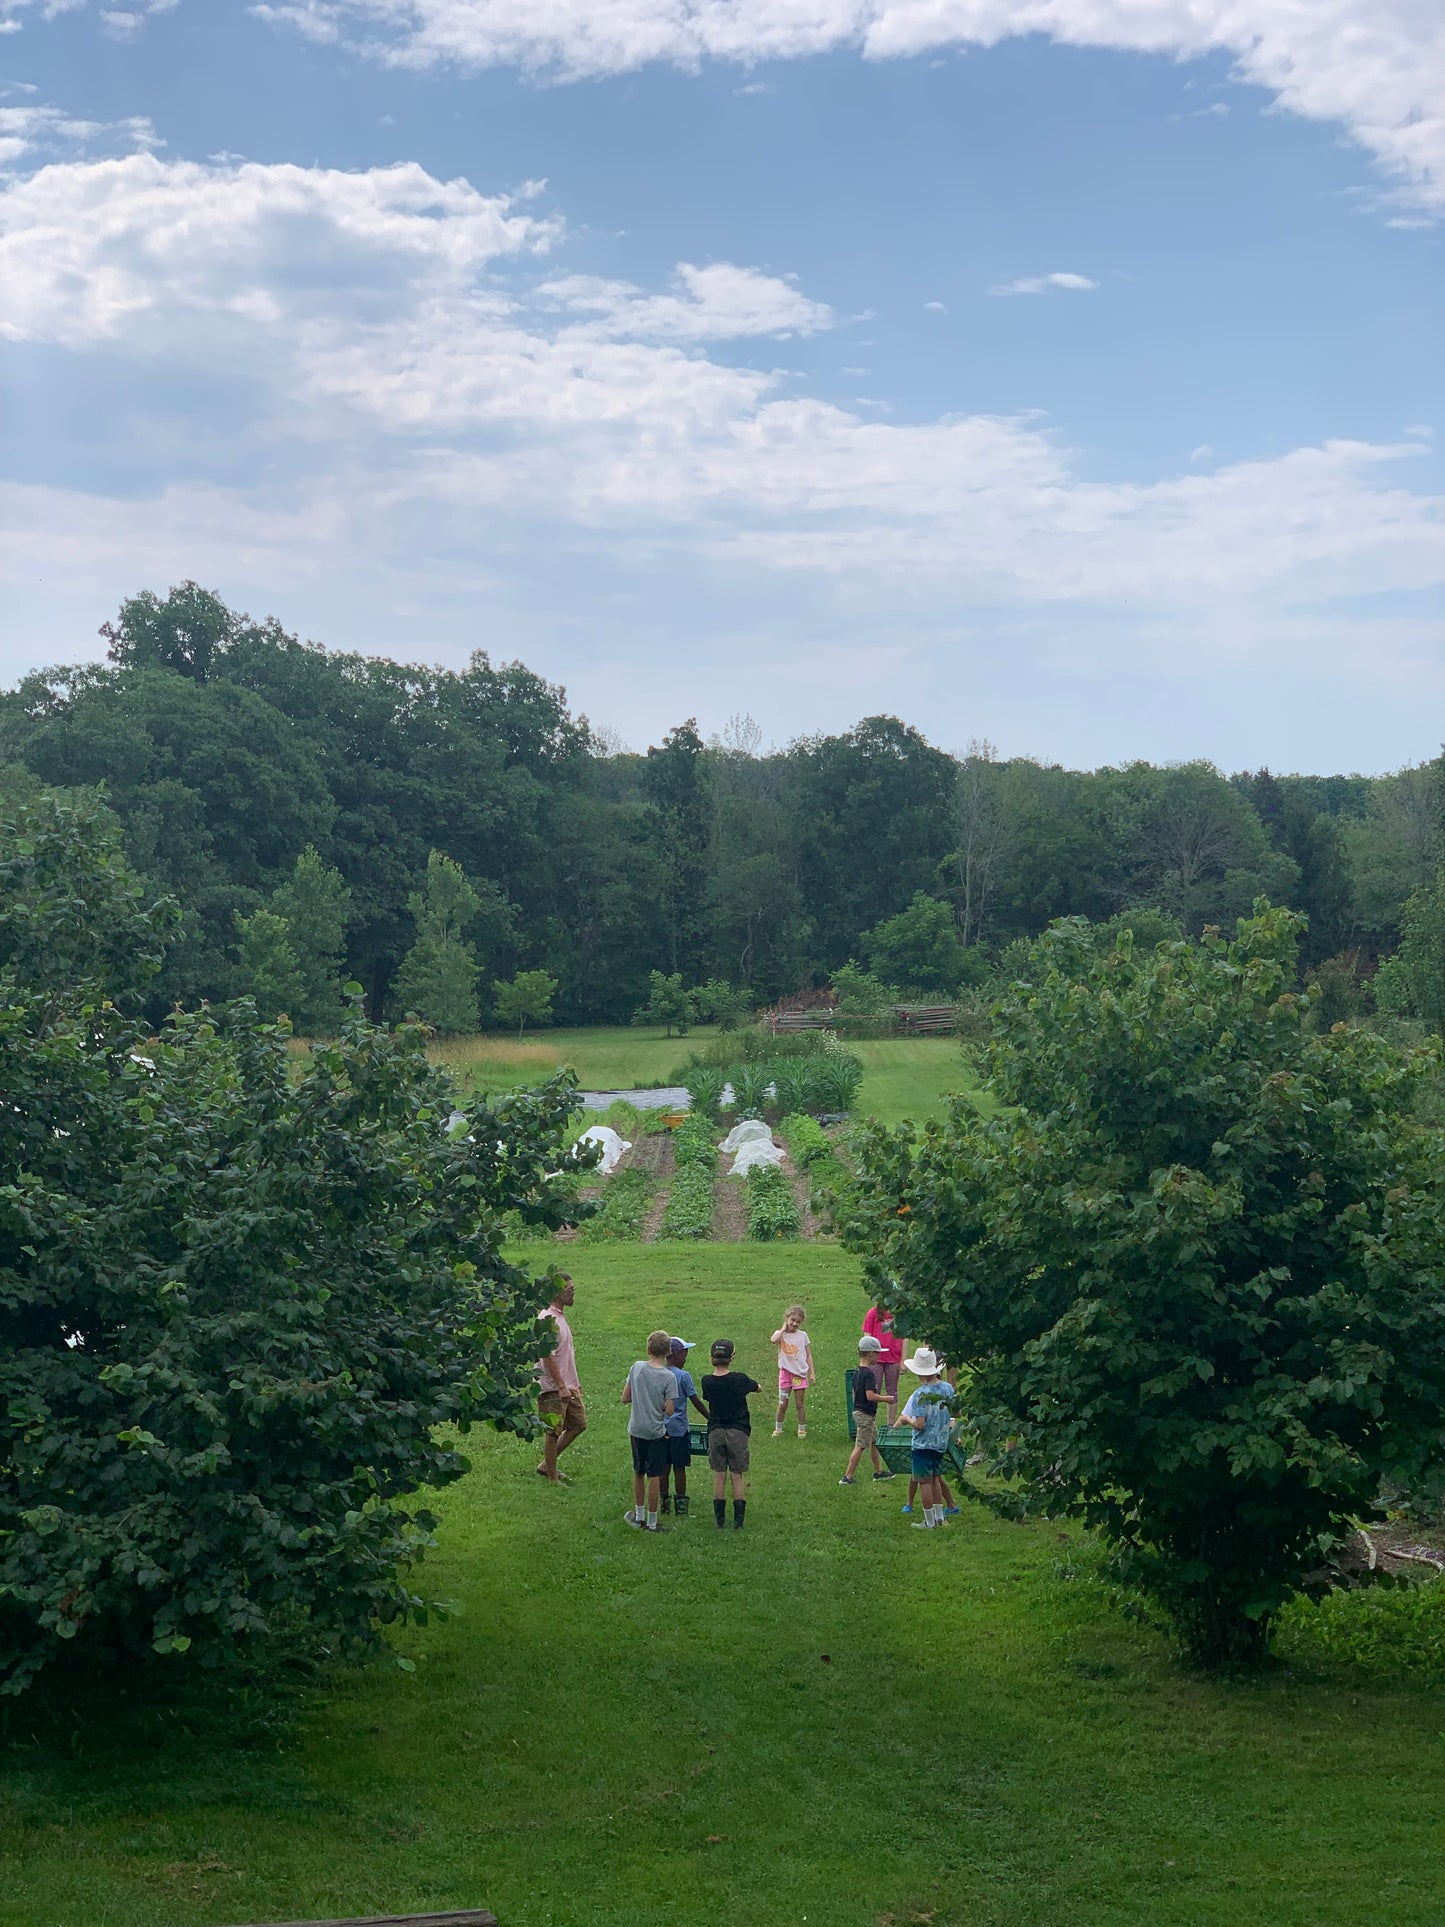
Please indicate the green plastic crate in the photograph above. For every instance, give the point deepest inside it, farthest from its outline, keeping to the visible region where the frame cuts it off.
(895, 1442)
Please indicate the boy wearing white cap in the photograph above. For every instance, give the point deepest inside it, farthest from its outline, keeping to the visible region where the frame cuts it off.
(679, 1451)
(927, 1411)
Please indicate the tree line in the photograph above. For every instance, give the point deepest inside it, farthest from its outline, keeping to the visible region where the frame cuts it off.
(322, 815)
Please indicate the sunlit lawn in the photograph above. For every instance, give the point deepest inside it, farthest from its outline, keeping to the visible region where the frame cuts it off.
(826, 1718)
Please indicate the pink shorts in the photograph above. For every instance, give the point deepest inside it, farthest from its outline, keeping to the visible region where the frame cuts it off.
(791, 1382)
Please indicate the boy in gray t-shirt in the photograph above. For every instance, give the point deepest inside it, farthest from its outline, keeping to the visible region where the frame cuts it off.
(650, 1394)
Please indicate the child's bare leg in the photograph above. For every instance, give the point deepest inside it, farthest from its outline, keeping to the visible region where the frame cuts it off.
(737, 1479)
(945, 1491)
(878, 1465)
(679, 1481)
(912, 1490)
(654, 1492)
(639, 1494)
(798, 1397)
(782, 1413)
(719, 1485)
(853, 1457)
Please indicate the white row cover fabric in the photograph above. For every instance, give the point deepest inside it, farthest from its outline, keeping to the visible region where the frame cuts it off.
(740, 1133)
(612, 1146)
(753, 1152)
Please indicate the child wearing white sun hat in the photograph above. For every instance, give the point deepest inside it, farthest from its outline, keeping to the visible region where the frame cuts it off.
(927, 1411)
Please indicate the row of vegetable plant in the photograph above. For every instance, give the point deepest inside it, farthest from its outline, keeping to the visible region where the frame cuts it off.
(624, 1207)
(689, 1202)
(772, 1208)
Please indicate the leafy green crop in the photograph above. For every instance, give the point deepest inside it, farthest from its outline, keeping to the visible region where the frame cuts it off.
(623, 1208)
(772, 1208)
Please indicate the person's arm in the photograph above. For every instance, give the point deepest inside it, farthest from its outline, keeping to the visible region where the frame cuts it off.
(777, 1337)
(872, 1323)
(699, 1404)
(812, 1375)
(627, 1390)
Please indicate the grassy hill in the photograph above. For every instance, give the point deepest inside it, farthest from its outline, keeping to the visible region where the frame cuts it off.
(826, 1718)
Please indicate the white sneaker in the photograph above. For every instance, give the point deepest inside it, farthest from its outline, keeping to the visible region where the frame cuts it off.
(777, 1431)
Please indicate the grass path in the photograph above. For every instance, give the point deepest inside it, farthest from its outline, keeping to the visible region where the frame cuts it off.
(826, 1718)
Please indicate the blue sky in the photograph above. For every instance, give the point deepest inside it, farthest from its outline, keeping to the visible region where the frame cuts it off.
(1077, 389)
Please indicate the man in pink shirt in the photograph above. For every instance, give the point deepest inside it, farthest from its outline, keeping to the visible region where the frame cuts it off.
(879, 1324)
(559, 1396)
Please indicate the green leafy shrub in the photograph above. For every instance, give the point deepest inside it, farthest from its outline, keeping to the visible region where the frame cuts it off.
(244, 1297)
(1193, 1260)
(1375, 1632)
(623, 1209)
(772, 1209)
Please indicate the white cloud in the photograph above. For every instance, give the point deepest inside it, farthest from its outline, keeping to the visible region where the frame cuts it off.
(407, 409)
(34, 131)
(1202, 453)
(1041, 283)
(720, 302)
(936, 307)
(1375, 66)
(92, 250)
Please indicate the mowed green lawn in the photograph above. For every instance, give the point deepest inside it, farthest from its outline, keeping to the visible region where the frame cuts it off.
(826, 1718)
(903, 1077)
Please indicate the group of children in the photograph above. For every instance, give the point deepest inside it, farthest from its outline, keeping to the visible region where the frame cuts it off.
(659, 1390)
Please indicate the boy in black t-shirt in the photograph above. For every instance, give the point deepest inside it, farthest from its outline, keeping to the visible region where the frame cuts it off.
(868, 1392)
(729, 1430)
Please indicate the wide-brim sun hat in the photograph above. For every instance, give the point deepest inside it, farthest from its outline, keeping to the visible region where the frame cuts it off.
(923, 1363)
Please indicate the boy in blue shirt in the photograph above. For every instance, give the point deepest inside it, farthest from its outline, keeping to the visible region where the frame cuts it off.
(927, 1411)
(679, 1451)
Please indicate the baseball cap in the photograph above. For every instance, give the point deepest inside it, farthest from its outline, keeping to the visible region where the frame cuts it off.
(868, 1343)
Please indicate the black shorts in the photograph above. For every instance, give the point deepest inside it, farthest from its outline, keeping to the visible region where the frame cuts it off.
(649, 1457)
(679, 1451)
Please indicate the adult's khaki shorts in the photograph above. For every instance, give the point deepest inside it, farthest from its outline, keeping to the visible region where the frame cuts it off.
(727, 1448)
(865, 1425)
(566, 1408)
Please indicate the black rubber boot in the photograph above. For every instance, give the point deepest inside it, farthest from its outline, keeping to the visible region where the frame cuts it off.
(719, 1513)
(664, 1503)
(740, 1506)
(680, 1505)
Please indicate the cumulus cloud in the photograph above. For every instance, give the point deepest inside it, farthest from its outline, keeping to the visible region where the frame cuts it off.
(416, 374)
(1041, 283)
(1375, 66)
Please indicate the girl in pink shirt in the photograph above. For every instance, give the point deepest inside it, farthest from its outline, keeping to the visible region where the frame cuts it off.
(795, 1369)
(878, 1324)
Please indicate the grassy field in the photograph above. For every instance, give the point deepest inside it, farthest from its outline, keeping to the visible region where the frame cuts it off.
(903, 1077)
(825, 1718)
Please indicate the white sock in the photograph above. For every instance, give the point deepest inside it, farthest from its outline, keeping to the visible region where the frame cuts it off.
(930, 1512)
(652, 1518)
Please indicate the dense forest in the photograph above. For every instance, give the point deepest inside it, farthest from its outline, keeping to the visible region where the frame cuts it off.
(279, 790)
